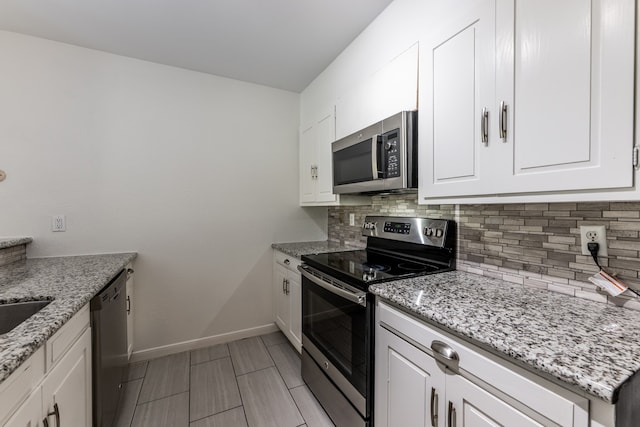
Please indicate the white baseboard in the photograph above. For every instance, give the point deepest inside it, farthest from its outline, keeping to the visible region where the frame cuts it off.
(165, 350)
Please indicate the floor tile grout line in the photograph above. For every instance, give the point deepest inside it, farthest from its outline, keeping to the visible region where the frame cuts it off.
(163, 397)
(217, 413)
(238, 386)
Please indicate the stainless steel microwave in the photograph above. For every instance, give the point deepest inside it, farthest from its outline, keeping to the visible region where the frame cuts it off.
(380, 158)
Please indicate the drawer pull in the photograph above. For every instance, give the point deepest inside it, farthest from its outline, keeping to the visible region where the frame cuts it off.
(443, 350)
(287, 262)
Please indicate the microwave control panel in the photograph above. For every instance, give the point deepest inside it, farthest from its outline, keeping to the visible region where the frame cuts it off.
(392, 151)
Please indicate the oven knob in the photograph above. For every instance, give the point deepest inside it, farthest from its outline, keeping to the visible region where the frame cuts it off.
(428, 231)
(439, 232)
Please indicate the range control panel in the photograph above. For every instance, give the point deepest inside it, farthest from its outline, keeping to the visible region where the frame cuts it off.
(392, 150)
(424, 231)
(397, 227)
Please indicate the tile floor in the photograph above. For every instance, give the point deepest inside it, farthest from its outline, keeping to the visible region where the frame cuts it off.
(254, 382)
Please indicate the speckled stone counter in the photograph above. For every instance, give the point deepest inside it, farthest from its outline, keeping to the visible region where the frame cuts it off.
(9, 242)
(594, 347)
(70, 282)
(307, 248)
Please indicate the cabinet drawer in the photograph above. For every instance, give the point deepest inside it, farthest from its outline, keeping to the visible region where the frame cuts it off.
(62, 340)
(20, 383)
(554, 402)
(287, 261)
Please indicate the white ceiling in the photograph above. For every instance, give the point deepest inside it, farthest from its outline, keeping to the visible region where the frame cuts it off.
(279, 43)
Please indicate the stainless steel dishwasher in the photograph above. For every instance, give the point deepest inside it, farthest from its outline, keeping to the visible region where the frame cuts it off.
(109, 348)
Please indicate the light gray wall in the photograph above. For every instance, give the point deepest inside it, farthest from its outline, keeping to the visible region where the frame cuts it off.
(197, 173)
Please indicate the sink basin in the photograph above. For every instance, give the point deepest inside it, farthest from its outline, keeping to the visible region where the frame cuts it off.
(12, 314)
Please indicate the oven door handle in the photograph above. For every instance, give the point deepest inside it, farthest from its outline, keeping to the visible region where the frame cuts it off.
(357, 297)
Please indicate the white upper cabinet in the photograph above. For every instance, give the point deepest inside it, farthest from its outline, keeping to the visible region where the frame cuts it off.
(388, 90)
(316, 164)
(529, 96)
(316, 173)
(457, 84)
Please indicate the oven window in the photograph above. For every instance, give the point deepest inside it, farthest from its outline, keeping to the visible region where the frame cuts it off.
(353, 164)
(338, 328)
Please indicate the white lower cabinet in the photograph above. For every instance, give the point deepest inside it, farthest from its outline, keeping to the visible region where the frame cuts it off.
(66, 390)
(60, 395)
(129, 287)
(30, 412)
(416, 387)
(287, 297)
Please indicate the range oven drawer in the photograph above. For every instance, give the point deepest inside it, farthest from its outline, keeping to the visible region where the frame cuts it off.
(334, 403)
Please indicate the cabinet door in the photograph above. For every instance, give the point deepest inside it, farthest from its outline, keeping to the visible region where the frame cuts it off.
(129, 311)
(295, 305)
(325, 135)
(68, 386)
(409, 385)
(471, 406)
(307, 164)
(29, 414)
(389, 90)
(566, 77)
(457, 83)
(280, 299)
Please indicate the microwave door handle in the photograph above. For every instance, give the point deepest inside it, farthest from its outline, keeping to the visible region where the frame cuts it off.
(374, 156)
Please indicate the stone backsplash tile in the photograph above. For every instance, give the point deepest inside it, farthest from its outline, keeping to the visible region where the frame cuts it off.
(534, 244)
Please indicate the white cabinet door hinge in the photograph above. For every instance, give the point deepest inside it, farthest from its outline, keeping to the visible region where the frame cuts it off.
(636, 151)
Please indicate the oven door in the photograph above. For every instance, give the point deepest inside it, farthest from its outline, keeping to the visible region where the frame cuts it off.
(337, 333)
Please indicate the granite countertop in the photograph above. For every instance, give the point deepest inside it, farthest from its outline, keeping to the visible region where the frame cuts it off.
(588, 345)
(70, 282)
(9, 242)
(307, 248)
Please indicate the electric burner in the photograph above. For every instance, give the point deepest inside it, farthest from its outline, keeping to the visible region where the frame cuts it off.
(410, 266)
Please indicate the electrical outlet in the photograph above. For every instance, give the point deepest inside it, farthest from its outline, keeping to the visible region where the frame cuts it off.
(593, 233)
(352, 219)
(58, 223)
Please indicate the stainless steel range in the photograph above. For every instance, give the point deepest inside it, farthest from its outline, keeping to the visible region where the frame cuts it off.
(338, 310)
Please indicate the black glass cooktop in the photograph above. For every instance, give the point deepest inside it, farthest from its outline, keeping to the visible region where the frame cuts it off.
(365, 267)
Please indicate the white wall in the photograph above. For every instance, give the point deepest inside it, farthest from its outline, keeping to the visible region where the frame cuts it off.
(198, 174)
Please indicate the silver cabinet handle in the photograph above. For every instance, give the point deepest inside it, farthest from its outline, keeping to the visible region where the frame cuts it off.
(484, 126)
(443, 350)
(286, 282)
(451, 421)
(283, 284)
(434, 407)
(503, 121)
(56, 412)
(128, 304)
